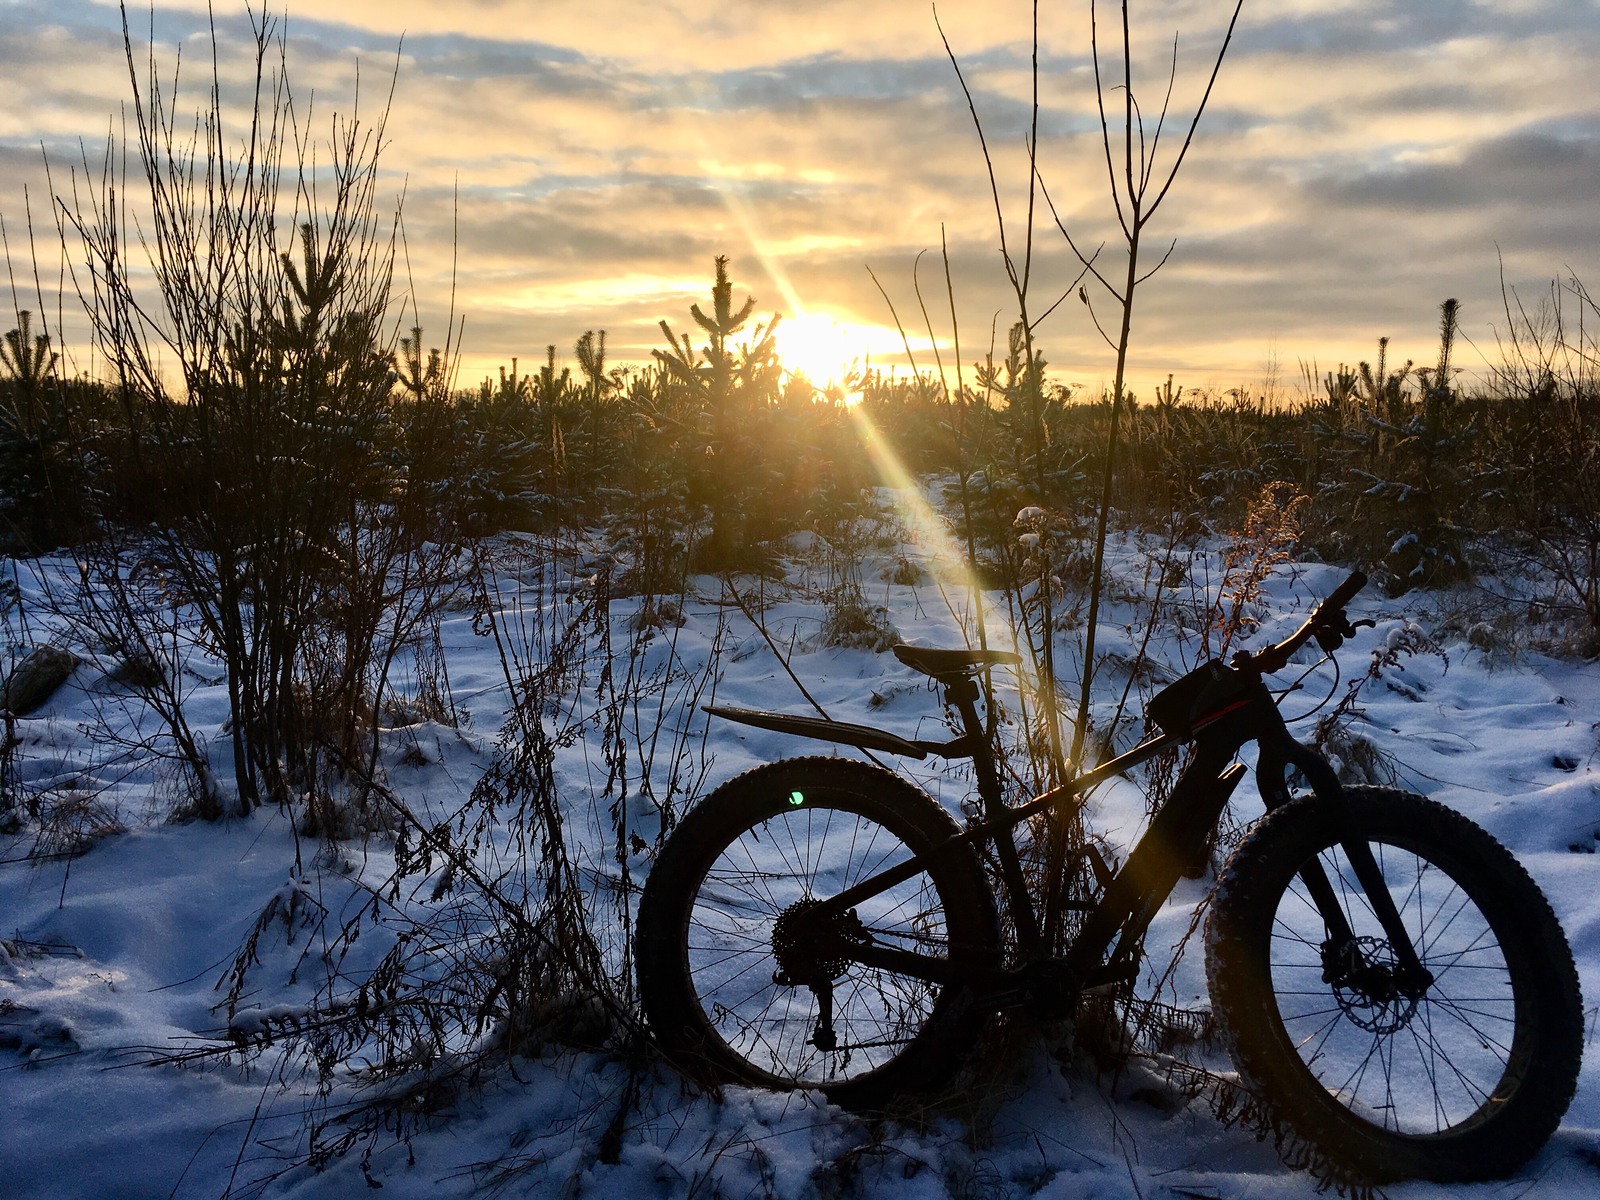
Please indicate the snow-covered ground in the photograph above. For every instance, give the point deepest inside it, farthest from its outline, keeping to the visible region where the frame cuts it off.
(122, 951)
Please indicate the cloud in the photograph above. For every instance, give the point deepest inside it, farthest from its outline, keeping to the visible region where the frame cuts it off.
(1526, 169)
(578, 165)
(668, 35)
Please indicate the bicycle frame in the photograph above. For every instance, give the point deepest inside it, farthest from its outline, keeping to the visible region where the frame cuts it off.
(1106, 949)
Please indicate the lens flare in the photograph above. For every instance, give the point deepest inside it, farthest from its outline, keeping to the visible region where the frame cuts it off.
(924, 526)
(829, 351)
(813, 348)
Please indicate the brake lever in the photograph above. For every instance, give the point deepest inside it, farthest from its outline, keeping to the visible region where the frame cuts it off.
(1332, 633)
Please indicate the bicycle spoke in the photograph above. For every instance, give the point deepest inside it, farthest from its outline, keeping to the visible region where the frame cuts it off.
(1370, 1044)
(789, 858)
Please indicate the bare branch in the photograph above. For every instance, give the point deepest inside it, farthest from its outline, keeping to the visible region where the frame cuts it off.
(1095, 317)
(988, 161)
(1135, 195)
(1159, 265)
(1105, 128)
(1033, 155)
(955, 334)
(1198, 112)
(916, 286)
(1087, 261)
(904, 341)
(1075, 285)
(1161, 121)
(1144, 157)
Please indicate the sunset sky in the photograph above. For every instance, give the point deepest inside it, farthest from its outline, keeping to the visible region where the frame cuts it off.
(1359, 163)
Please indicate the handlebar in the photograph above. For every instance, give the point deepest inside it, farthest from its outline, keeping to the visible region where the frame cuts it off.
(1327, 623)
(1344, 593)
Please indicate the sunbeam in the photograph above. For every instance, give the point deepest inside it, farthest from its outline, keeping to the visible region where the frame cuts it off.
(923, 524)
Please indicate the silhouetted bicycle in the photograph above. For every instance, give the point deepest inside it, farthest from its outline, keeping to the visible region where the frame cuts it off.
(1389, 979)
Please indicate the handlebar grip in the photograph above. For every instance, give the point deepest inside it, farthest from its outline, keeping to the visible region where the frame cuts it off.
(1346, 591)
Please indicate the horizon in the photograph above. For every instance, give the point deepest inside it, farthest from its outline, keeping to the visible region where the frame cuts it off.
(1355, 166)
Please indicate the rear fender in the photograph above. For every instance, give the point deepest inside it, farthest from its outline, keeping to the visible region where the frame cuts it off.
(842, 732)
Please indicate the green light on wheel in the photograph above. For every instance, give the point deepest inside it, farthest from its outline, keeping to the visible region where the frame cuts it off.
(797, 798)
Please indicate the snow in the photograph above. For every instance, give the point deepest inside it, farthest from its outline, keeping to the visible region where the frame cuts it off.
(128, 948)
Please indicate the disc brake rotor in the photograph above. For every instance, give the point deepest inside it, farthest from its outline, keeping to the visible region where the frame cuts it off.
(1366, 984)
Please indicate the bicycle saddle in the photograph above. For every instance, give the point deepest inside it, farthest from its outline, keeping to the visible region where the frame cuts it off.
(952, 664)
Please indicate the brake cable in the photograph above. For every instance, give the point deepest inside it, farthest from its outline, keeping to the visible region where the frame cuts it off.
(1295, 686)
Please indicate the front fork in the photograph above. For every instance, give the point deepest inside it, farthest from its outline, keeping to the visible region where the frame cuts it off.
(1341, 954)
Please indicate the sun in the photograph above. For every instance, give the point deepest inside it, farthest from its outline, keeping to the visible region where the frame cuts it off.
(826, 350)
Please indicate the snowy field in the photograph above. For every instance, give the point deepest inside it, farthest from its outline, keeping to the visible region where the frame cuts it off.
(121, 952)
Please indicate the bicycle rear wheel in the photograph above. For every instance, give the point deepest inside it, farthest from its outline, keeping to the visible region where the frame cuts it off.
(1462, 1079)
(740, 980)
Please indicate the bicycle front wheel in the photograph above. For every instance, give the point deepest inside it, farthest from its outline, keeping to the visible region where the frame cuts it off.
(741, 981)
(1462, 1073)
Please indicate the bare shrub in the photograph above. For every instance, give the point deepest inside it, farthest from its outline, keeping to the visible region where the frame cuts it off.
(278, 494)
(1541, 471)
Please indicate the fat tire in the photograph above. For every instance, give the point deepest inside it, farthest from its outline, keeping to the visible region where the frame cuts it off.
(712, 841)
(1527, 987)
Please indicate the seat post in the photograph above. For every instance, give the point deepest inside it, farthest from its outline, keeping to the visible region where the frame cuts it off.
(962, 693)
